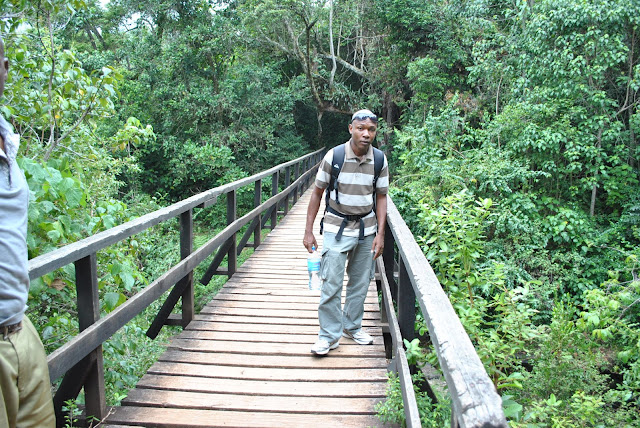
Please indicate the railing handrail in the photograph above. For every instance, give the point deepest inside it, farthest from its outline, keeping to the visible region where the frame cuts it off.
(80, 359)
(60, 257)
(65, 357)
(399, 364)
(475, 401)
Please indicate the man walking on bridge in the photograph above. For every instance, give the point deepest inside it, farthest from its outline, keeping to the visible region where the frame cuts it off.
(356, 182)
(25, 391)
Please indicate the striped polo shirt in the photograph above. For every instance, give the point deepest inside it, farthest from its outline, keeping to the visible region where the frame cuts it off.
(355, 187)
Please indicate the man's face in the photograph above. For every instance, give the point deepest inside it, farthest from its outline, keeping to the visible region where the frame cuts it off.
(363, 132)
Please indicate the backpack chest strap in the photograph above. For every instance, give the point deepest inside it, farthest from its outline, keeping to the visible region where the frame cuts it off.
(346, 219)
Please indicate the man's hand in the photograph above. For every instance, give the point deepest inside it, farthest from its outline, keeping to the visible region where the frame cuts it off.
(378, 245)
(312, 210)
(381, 215)
(309, 241)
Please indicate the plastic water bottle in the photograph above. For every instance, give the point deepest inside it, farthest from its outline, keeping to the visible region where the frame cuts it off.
(313, 265)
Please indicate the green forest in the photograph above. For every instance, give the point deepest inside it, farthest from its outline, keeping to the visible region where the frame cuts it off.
(511, 128)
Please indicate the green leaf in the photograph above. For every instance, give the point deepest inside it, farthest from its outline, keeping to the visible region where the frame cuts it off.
(37, 286)
(112, 300)
(127, 279)
(47, 332)
(512, 409)
(75, 196)
(54, 235)
(116, 268)
(108, 221)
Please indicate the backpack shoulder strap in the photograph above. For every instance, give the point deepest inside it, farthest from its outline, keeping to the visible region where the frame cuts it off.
(378, 163)
(336, 167)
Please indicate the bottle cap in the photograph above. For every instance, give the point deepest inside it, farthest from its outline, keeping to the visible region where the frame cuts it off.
(313, 248)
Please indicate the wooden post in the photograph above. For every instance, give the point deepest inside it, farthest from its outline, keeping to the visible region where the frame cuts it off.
(406, 304)
(305, 167)
(287, 181)
(388, 256)
(215, 264)
(454, 421)
(257, 200)
(274, 191)
(232, 258)
(89, 313)
(388, 261)
(384, 316)
(295, 177)
(186, 247)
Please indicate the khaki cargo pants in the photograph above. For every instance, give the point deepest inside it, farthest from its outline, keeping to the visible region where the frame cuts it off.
(360, 267)
(25, 389)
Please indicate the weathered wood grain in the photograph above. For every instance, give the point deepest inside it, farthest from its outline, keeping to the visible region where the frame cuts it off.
(278, 361)
(242, 403)
(248, 337)
(308, 374)
(173, 418)
(366, 323)
(260, 387)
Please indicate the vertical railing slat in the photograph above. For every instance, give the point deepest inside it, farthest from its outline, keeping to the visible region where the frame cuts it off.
(186, 247)
(257, 200)
(275, 178)
(232, 257)
(388, 256)
(287, 182)
(295, 177)
(89, 313)
(406, 303)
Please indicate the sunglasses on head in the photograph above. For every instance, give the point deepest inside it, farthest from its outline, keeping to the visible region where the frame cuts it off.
(365, 116)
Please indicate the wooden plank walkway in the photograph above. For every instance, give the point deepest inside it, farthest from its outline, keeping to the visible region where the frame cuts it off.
(245, 360)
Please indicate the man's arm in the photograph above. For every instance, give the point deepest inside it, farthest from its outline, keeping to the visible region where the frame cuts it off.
(309, 239)
(381, 214)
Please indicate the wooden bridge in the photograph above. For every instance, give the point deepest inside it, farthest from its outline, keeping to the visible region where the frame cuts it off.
(244, 360)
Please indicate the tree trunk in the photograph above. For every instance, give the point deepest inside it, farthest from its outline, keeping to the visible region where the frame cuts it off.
(333, 55)
(319, 115)
(387, 112)
(594, 190)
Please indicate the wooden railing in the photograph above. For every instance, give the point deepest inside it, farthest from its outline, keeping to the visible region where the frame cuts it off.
(402, 279)
(80, 360)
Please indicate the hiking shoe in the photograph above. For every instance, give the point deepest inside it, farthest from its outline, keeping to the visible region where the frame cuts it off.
(322, 347)
(360, 337)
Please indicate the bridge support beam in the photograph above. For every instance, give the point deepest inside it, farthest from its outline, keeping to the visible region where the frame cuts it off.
(406, 303)
(287, 182)
(183, 288)
(275, 178)
(186, 247)
(257, 200)
(89, 372)
(232, 256)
